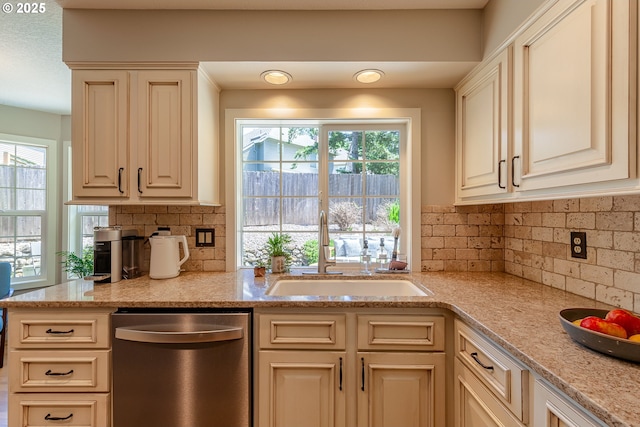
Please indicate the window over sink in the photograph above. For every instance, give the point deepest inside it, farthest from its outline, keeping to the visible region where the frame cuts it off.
(288, 170)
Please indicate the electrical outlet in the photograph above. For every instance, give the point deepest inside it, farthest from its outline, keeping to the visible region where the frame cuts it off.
(579, 244)
(205, 237)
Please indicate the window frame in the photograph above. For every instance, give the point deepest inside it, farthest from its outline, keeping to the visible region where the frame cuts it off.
(410, 189)
(49, 215)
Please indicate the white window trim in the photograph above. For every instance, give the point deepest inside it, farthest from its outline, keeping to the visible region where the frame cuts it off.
(409, 188)
(49, 226)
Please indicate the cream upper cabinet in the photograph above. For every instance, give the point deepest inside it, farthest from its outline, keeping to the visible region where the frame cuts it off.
(100, 132)
(482, 130)
(137, 136)
(574, 97)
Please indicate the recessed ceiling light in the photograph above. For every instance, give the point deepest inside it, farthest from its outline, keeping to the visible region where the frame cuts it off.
(276, 77)
(368, 76)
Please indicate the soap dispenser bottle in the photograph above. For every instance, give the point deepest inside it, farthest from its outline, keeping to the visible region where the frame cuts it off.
(382, 255)
(365, 257)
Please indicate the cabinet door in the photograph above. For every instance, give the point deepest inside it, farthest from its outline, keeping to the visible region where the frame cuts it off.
(401, 389)
(301, 389)
(573, 71)
(475, 405)
(482, 130)
(166, 141)
(551, 409)
(100, 133)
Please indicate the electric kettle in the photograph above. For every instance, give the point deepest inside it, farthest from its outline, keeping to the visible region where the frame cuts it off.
(165, 256)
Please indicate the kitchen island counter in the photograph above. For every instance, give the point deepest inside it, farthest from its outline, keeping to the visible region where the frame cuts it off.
(519, 315)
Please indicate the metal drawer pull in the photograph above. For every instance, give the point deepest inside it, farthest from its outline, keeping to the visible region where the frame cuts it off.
(120, 180)
(340, 374)
(475, 357)
(58, 374)
(51, 331)
(169, 337)
(139, 180)
(362, 362)
(48, 417)
(500, 174)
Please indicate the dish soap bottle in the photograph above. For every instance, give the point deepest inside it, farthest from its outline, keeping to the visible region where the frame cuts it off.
(382, 255)
(365, 257)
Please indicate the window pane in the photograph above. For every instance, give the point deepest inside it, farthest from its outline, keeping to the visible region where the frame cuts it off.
(383, 179)
(345, 184)
(30, 156)
(29, 225)
(345, 145)
(301, 180)
(261, 211)
(31, 178)
(261, 144)
(7, 154)
(381, 214)
(261, 182)
(7, 201)
(31, 200)
(345, 214)
(299, 212)
(7, 174)
(300, 143)
(382, 145)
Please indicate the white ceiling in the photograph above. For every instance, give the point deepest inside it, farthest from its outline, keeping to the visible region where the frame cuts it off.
(33, 76)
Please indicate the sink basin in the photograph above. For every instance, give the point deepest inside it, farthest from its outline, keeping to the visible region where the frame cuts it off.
(345, 287)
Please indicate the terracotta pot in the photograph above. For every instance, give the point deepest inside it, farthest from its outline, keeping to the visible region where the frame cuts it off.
(259, 271)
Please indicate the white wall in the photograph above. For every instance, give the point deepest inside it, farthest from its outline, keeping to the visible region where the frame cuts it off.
(437, 107)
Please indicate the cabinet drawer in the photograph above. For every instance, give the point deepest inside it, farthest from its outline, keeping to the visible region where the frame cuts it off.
(499, 372)
(65, 371)
(475, 403)
(318, 331)
(59, 329)
(403, 332)
(68, 409)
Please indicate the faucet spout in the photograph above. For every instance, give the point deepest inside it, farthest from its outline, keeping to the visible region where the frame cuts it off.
(323, 242)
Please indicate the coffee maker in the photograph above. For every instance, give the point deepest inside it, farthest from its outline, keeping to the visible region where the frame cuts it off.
(107, 254)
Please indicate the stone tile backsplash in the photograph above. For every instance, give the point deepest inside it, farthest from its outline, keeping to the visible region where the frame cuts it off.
(526, 239)
(182, 220)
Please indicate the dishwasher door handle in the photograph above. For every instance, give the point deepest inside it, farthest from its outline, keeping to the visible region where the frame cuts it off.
(170, 337)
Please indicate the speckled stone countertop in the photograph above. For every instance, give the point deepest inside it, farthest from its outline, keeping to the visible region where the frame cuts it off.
(519, 315)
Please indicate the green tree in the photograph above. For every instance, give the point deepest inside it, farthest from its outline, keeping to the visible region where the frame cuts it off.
(379, 145)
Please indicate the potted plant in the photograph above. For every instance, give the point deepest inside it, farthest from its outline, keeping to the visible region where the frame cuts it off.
(259, 268)
(77, 267)
(276, 249)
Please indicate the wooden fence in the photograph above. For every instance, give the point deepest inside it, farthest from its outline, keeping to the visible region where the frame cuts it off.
(300, 195)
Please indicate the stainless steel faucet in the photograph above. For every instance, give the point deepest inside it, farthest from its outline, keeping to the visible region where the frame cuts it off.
(323, 243)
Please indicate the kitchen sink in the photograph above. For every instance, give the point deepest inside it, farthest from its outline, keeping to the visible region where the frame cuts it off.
(346, 287)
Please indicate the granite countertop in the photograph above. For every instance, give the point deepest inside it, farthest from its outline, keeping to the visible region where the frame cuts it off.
(519, 315)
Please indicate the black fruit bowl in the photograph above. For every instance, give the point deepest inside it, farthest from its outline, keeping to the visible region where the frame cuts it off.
(603, 343)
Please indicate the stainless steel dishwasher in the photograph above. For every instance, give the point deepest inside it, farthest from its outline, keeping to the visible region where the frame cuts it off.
(181, 369)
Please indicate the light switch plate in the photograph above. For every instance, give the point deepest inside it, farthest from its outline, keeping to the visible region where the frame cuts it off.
(578, 244)
(205, 237)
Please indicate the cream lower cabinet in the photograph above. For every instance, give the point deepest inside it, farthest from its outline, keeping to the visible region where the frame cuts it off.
(59, 368)
(143, 136)
(350, 369)
(490, 386)
(551, 408)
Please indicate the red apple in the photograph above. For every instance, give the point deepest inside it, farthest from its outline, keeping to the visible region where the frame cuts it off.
(625, 319)
(604, 326)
